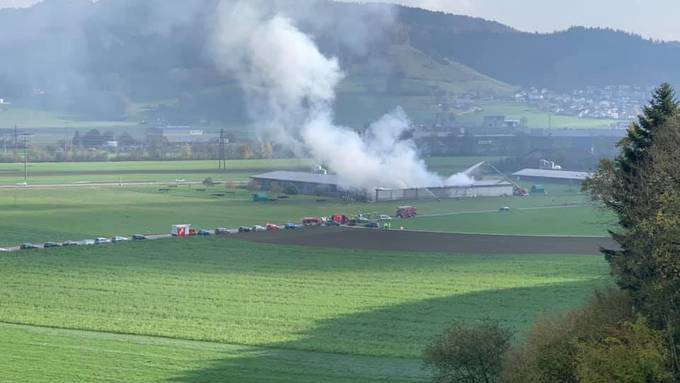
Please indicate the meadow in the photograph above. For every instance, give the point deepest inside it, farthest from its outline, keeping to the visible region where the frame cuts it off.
(215, 309)
(536, 119)
(169, 171)
(39, 215)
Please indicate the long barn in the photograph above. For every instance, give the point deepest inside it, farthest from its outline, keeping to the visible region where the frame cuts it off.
(329, 185)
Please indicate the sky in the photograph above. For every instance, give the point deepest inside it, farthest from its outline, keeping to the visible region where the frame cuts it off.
(657, 19)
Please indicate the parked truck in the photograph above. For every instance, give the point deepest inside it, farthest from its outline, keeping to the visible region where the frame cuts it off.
(183, 230)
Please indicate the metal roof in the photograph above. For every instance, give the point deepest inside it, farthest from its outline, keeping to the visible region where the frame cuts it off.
(287, 176)
(496, 182)
(555, 174)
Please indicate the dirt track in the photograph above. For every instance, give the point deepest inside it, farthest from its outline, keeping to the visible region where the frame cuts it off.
(355, 238)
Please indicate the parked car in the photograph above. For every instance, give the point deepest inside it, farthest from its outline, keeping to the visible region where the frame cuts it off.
(87, 242)
(259, 228)
(330, 222)
(102, 241)
(221, 231)
(291, 226)
(384, 217)
(341, 219)
(204, 233)
(139, 237)
(245, 229)
(404, 212)
(362, 219)
(372, 225)
(69, 243)
(48, 245)
(504, 209)
(28, 246)
(312, 221)
(272, 227)
(119, 238)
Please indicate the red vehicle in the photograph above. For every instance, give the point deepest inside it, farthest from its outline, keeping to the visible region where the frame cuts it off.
(312, 221)
(272, 227)
(340, 219)
(406, 212)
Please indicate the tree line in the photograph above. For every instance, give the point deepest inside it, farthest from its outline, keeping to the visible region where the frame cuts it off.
(627, 334)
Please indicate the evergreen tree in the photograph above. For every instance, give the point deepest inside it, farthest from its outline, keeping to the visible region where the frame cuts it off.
(642, 186)
(635, 146)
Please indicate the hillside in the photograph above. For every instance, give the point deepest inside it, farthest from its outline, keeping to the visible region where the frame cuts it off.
(151, 60)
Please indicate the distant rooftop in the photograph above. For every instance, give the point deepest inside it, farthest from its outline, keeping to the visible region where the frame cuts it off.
(554, 174)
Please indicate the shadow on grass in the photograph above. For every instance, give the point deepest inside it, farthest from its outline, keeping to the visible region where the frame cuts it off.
(384, 344)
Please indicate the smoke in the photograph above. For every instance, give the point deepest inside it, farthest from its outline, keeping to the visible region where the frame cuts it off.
(290, 89)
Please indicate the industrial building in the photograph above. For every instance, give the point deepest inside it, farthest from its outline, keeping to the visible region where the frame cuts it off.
(543, 175)
(329, 185)
(484, 188)
(304, 183)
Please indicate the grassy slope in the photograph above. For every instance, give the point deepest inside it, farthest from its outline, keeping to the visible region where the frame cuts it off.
(410, 80)
(284, 299)
(71, 356)
(535, 118)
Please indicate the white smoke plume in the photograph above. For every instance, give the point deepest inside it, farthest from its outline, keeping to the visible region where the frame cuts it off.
(290, 89)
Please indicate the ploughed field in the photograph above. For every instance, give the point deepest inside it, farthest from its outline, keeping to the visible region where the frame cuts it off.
(209, 309)
(422, 241)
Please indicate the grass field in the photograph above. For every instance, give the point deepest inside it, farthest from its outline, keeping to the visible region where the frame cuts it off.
(535, 118)
(40, 215)
(166, 171)
(137, 171)
(259, 312)
(33, 118)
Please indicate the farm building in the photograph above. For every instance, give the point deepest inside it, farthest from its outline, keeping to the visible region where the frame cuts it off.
(302, 182)
(551, 175)
(484, 188)
(329, 185)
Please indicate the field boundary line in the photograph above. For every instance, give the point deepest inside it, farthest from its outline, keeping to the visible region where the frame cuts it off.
(169, 339)
(496, 210)
(499, 234)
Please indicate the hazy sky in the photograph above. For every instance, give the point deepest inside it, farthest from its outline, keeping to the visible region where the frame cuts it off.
(658, 19)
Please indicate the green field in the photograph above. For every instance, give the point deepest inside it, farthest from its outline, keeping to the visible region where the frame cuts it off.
(38, 215)
(169, 171)
(535, 118)
(259, 312)
(142, 171)
(35, 119)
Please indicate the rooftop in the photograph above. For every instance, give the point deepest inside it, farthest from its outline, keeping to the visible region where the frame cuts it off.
(555, 174)
(315, 178)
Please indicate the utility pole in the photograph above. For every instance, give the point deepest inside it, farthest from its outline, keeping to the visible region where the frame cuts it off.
(222, 152)
(15, 143)
(24, 142)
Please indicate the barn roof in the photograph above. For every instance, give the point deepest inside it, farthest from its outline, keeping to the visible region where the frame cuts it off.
(287, 176)
(554, 174)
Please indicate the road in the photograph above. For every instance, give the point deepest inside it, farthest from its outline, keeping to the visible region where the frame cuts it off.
(97, 184)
